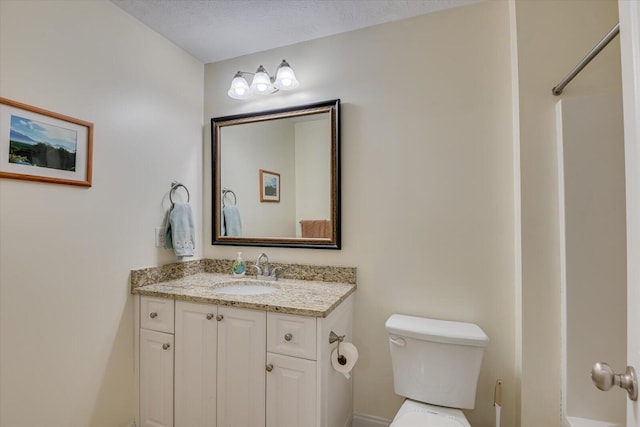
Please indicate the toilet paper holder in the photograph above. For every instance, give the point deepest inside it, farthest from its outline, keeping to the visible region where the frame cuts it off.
(333, 337)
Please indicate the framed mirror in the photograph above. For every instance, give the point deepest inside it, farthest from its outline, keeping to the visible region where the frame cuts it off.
(276, 177)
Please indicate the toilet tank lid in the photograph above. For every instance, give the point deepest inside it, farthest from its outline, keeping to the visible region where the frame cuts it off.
(444, 331)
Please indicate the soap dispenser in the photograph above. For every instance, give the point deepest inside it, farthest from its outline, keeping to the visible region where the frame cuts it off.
(239, 266)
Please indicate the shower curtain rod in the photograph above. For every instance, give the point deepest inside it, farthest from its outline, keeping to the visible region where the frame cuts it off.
(557, 90)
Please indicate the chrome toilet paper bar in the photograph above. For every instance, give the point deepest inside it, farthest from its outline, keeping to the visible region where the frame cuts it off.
(333, 337)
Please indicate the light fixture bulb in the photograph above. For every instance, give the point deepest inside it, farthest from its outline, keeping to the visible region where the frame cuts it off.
(262, 82)
(285, 77)
(239, 87)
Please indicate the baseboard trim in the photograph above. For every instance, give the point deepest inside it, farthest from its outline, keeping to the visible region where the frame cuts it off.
(362, 420)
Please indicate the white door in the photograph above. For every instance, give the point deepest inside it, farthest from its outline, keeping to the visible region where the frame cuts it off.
(196, 335)
(629, 11)
(291, 391)
(242, 343)
(156, 379)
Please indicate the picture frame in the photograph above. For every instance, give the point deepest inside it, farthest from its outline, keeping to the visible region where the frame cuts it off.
(269, 186)
(41, 145)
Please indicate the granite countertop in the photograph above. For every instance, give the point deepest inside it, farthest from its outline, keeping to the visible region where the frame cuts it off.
(302, 297)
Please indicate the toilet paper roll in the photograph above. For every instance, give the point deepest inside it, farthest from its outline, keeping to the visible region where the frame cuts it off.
(350, 353)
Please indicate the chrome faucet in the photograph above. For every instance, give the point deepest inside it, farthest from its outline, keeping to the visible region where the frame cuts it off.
(265, 272)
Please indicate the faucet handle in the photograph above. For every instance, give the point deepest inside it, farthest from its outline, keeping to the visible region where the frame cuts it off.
(274, 272)
(258, 269)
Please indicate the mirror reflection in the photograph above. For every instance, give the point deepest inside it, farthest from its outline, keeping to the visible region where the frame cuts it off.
(276, 177)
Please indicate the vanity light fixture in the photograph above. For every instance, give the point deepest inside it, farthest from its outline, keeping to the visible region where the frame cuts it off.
(263, 83)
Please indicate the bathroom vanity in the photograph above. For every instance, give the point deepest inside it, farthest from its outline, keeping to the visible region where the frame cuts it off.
(209, 358)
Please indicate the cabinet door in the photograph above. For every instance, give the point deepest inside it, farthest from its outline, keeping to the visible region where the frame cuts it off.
(241, 367)
(156, 379)
(195, 365)
(291, 391)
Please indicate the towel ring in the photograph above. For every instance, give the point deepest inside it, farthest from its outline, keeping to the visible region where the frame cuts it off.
(226, 191)
(174, 186)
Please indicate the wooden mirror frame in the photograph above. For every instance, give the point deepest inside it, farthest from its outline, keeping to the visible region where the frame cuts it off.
(334, 242)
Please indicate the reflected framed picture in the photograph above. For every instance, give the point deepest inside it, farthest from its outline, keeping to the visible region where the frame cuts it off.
(40, 145)
(269, 186)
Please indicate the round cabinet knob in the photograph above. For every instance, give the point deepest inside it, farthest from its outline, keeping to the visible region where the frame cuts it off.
(219, 317)
(166, 346)
(288, 337)
(153, 314)
(269, 367)
(209, 316)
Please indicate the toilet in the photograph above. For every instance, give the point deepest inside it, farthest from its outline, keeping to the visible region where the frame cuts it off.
(436, 364)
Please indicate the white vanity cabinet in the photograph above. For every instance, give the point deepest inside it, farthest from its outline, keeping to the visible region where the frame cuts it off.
(291, 370)
(240, 367)
(156, 362)
(302, 387)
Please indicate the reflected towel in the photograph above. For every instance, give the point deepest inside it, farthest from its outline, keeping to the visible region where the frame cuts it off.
(180, 235)
(231, 221)
(316, 228)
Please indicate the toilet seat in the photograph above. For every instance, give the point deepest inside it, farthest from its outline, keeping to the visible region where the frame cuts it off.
(419, 419)
(418, 414)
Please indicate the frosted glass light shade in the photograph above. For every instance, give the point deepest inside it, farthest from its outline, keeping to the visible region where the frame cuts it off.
(262, 82)
(285, 77)
(239, 87)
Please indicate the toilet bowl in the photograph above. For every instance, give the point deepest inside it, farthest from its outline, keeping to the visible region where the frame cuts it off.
(436, 364)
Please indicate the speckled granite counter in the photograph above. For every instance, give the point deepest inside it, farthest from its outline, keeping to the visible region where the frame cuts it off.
(302, 297)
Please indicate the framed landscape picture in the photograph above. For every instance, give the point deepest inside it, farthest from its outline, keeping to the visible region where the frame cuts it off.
(40, 145)
(269, 186)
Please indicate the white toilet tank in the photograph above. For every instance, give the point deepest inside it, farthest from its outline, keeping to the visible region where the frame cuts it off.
(436, 361)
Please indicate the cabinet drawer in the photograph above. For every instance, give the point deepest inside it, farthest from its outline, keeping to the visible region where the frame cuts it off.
(291, 335)
(156, 314)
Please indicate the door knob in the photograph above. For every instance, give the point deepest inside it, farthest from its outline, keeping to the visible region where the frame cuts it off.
(604, 378)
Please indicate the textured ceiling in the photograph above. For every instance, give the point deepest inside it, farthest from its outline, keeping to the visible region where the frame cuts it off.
(214, 30)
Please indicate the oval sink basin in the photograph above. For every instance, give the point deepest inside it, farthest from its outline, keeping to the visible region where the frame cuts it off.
(245, 287)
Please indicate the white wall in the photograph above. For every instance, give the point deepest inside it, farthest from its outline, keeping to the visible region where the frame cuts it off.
(552, 36)
(430, 125)
(66, 327)
(245, 154)
(313, 171)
